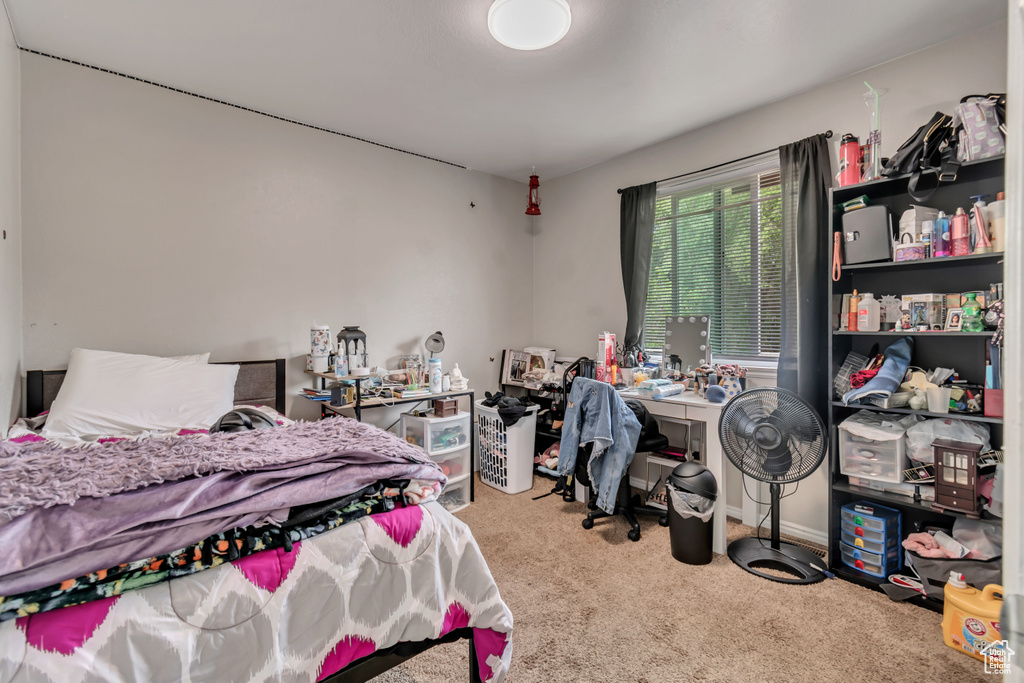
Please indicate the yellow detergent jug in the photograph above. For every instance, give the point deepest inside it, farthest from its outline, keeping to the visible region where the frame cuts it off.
(970, 618)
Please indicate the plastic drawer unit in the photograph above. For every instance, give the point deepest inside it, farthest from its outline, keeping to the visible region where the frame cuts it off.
(437, 435)
(454, 464)
(455, 495)
(870, 563)
(870, 537)
(881, 460)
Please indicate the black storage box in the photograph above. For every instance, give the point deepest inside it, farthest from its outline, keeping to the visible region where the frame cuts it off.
(867, 235)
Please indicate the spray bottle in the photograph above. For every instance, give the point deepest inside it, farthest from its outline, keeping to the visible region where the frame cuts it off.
(960, 232)
(927, 231)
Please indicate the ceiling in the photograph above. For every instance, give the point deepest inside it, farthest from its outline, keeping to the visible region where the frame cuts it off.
(425, 76)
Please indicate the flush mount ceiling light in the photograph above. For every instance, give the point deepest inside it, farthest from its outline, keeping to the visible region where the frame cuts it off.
(529, 24)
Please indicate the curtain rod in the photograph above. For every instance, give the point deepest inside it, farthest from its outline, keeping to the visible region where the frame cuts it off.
(828, 134)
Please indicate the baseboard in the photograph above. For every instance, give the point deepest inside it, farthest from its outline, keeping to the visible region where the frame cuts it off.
(787, 528)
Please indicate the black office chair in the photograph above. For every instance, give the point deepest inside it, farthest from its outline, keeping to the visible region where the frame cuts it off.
(626, 504)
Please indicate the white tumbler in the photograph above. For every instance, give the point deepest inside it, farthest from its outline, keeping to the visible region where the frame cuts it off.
(320, 346)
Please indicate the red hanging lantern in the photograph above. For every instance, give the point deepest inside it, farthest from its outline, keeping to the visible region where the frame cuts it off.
(534, 207)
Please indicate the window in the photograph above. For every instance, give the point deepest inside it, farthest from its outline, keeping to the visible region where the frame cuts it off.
(718, 251)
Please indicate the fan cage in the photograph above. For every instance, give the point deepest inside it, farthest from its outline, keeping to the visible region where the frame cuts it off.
(773, 410)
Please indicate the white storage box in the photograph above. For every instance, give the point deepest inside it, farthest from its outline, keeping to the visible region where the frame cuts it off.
(872, 446)
(455, 464)
(506, 453)
(455, 495)
(437, 435)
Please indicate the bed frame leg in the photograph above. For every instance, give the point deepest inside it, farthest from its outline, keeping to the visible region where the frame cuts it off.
(474, 670)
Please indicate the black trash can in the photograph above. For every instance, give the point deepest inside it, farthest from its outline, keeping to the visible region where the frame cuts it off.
(693, 487)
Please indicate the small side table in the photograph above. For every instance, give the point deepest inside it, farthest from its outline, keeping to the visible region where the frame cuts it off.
(361, 404)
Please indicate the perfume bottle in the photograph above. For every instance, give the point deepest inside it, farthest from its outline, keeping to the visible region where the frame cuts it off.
(940, 236)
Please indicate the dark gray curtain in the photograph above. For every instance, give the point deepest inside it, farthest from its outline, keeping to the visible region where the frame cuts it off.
(636, 234)
(806, 244)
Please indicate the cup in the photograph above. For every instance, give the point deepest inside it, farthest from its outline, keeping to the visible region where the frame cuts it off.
(938, 399)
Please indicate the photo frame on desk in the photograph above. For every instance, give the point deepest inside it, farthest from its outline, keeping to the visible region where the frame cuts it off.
(514, 364)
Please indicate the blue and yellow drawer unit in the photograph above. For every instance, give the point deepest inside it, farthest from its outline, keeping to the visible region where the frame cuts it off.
(870, 536)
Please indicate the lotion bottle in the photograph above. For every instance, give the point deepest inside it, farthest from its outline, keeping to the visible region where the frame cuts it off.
(868, 314)
(997, 217)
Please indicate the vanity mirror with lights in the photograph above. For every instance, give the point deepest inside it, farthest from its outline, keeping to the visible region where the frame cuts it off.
(687, 342)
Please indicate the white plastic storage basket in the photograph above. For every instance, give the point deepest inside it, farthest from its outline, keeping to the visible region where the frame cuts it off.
(506, 453)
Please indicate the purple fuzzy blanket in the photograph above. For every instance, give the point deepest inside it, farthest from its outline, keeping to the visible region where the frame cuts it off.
(70, 511)
(43, 474)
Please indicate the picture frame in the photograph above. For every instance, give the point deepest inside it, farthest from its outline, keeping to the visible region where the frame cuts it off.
(954, 320)
(514, 365)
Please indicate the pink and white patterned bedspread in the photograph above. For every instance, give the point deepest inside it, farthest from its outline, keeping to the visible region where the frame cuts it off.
(411, 574)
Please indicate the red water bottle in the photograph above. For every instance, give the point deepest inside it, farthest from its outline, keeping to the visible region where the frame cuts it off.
(849, 161)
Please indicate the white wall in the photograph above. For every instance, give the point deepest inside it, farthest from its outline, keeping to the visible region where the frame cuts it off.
(157, 222)
(10, 223)
(578, 296)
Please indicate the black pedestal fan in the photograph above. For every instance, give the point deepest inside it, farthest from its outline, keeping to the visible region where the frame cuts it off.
(774, 436)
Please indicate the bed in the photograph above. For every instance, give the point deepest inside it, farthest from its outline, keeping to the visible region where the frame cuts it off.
(341, 595)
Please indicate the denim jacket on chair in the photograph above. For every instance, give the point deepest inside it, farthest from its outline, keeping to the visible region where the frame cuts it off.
(595, 413)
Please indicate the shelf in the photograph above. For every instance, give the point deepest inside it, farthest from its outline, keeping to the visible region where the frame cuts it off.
(549, 434)
(842, 194)
(663, 461)
(893, 499)
(973, 259)
(912, 333)
(969, 417)
(850, 574)
(964, 350)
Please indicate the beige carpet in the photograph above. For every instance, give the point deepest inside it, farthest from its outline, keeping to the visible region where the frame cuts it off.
(593, 606)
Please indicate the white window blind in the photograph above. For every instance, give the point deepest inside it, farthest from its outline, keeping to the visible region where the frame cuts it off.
(718, 251)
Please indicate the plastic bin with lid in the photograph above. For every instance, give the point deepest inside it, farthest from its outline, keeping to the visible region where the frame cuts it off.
(437, 435)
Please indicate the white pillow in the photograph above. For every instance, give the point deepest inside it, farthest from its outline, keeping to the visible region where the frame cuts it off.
(119, 394)
(193, 357)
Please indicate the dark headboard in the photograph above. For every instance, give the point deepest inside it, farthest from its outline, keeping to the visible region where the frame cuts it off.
(260, 382)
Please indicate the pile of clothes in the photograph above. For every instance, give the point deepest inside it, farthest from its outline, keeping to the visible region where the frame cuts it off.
(510, 408)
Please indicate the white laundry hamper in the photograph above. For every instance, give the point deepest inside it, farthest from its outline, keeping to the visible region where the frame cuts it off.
(506, 453)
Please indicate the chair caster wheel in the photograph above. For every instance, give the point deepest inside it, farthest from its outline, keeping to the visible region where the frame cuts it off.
(663, 521)
(588, 523)
(633, 535)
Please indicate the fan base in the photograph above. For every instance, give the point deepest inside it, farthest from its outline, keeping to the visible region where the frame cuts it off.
(753, 554)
